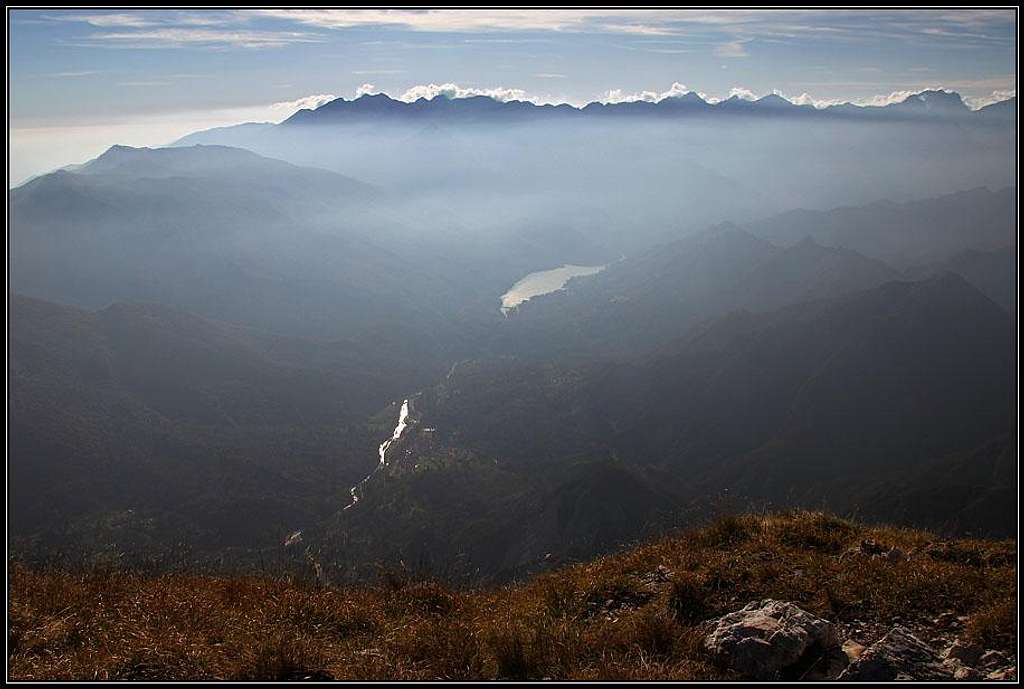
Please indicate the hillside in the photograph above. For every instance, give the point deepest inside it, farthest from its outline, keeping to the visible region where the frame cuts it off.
(828, 402)
(643, 614)
(167, 428)
(229, 235)
(646, 298)
(905, 234)
(173, 431)
(642, 302)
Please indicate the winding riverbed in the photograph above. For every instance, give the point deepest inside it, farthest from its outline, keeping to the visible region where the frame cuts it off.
(403, 423)
(382, 452)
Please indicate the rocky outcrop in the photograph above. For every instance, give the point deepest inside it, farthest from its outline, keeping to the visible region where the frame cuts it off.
(766, 637)
(771, 639)
(898, 655)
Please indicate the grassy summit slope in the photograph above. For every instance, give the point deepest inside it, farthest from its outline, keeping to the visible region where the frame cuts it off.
(632, 615)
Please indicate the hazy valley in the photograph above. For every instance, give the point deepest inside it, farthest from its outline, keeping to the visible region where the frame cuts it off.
(390, 365)
(240, 331)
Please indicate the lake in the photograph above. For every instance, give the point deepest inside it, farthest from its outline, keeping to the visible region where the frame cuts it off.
(543, 282)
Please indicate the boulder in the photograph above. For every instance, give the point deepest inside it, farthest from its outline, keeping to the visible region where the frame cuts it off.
(966, 653)
(766, 637)
(898, 655)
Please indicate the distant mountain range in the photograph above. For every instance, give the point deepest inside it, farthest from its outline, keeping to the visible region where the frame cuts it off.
(926, 105)
(628, 173)
(930, 105)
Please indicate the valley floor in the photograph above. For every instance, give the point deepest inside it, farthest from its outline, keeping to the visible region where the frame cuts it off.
(639, 614)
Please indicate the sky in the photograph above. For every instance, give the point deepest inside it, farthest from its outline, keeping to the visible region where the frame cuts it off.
(82, 80)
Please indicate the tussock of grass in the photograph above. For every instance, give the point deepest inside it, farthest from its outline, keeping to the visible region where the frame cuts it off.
(994, 625)
(635, 615)
(688, 598)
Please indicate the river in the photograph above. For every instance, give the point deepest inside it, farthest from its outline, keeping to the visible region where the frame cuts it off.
(382, 452)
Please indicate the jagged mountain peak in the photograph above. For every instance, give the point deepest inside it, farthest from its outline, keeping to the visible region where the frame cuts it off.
(937, 101)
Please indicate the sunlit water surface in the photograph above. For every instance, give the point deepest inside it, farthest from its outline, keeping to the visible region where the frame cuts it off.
(543, 282)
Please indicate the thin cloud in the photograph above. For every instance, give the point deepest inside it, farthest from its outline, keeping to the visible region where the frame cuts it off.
(126, 20)
(732, 49)
(460, 20)
(145, 19)
(304, 103)
(979, 102)
(188, 37)
(742, 93)
(786, 24)
(727, 30)
(143, 84)
(450, 90)
(646, 48)
(151, 29)
(72, 75)
(619, 96)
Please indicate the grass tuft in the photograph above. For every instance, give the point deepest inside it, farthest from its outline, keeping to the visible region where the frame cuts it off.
(688, 599)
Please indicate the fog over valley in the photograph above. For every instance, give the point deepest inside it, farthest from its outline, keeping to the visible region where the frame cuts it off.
(391, 249)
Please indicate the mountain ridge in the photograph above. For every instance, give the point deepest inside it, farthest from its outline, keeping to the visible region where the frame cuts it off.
(928, 104)
(925, 104)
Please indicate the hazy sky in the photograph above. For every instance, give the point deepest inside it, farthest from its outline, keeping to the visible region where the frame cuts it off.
(81, 80)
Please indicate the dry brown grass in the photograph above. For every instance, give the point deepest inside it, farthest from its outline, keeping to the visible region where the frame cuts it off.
(619, 617)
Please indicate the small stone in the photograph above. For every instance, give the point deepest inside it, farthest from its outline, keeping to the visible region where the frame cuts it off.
(991, 660)
(895, 555)
(871, 547)
(852, 649)
(966, 674)
(1007, 674)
